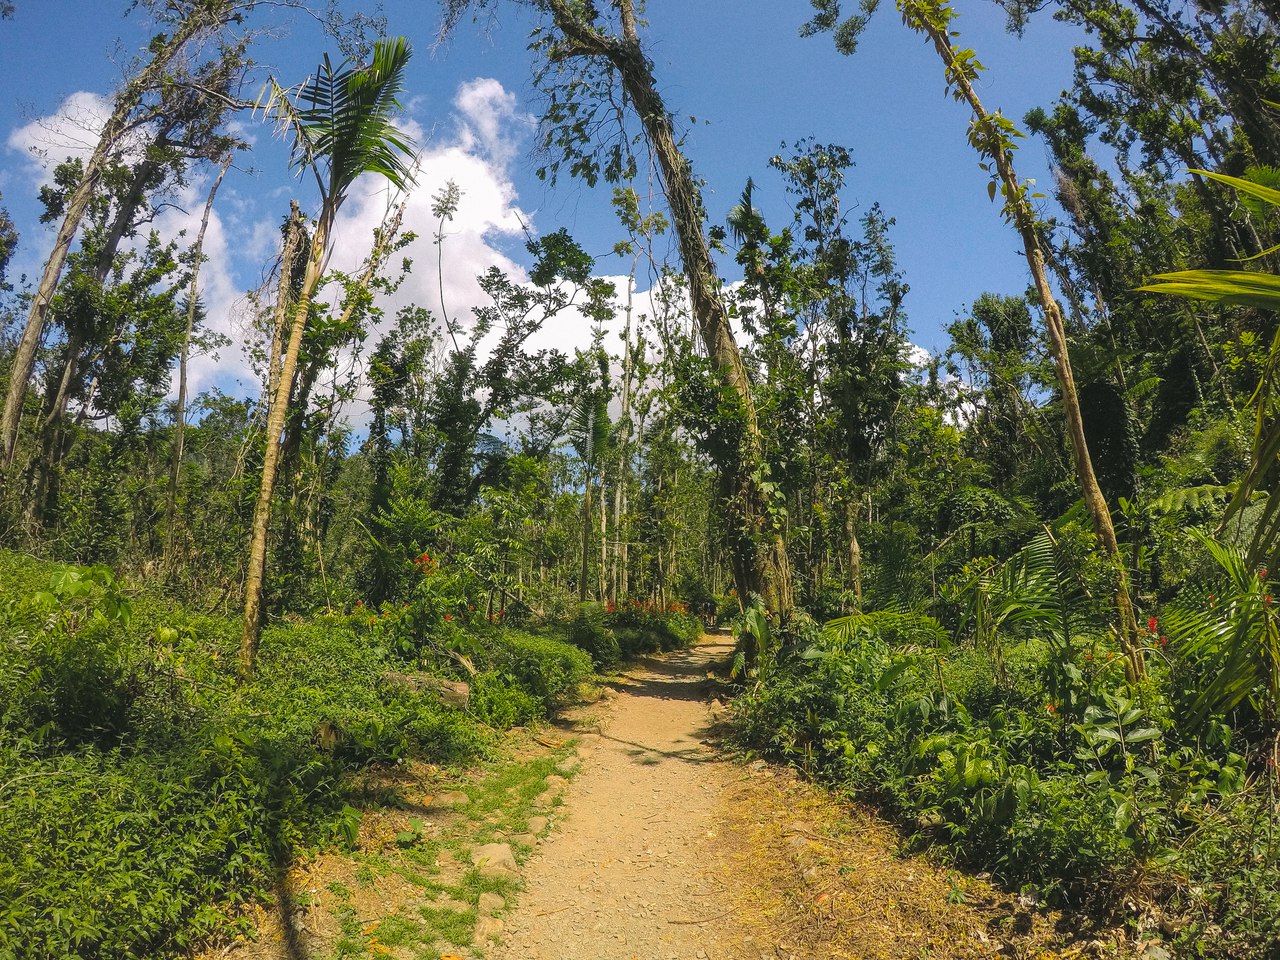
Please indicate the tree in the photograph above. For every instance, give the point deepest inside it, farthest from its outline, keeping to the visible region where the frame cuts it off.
(582, 46)
(198, 17)
(991, 135)
(8, 243)
(341, 128)
(180, 405)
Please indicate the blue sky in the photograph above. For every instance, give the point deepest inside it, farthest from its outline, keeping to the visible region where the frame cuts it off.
(739, 66)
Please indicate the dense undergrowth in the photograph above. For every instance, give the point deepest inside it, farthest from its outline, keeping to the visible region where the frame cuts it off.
(1027, 758)
(144, 795)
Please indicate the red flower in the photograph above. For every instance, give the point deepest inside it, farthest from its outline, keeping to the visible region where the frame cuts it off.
(1164, 641)
(1051, 708)
(1088, 656)
(373, 620)
(448, 617)
(359, 603)
(1151, 624)
(1267, 599)
(1262, 574)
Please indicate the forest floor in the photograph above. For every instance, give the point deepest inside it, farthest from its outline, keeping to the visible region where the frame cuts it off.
(626, 834)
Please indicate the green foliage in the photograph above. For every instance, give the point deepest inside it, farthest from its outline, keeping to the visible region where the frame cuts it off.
(589, 630)
(1227, 629)
(343, 120)
(1076, 797)
(143, 796)
(611, 632)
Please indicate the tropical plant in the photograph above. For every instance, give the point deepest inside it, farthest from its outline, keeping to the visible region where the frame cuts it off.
(341, 126)
(1247, 288)
(1231, 630)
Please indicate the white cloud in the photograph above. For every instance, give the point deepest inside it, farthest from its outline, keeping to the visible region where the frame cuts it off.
(488, 132)
(490, 115)
(70, 131)
(485, 135)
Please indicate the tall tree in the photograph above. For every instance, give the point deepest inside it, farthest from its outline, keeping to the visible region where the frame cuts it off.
(198, 17)
(586, 47)
(341, 128)
(991, 135)
(180, 405)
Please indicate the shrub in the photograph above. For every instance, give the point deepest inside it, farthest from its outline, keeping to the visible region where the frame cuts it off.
(1077, 797)
(143, 795)
(548, 670)
(589, 631)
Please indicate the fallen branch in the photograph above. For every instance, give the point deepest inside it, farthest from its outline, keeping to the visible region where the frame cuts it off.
(707, 920)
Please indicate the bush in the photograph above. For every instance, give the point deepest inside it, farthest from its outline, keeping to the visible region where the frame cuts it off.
(548, 670)
(143, 795)
(589, 631)
(1077, 797)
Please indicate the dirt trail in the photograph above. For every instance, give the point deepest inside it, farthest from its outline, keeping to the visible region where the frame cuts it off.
(665, 851)
(630, 872)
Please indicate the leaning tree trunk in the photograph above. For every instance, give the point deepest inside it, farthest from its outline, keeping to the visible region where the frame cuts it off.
(989, 138)
(279, 409)
(24, 358)
(761, 565)
(180, 408)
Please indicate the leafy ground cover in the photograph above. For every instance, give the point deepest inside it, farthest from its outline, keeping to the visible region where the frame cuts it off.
(146, 800)
(1029, 762)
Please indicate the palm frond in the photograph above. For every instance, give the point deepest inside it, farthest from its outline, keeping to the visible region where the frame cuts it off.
(341, 118)
(1239, 288)
(346, 113)
(589, 426)
(1231, 630)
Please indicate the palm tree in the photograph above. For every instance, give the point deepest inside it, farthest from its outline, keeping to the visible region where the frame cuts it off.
(1247, 288)
(341, 128)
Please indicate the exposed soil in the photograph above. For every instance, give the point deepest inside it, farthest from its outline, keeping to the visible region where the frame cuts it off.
(668, 850)
(646, 844)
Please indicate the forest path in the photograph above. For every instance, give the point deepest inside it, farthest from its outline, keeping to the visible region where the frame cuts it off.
(630, 874)
(666, 850)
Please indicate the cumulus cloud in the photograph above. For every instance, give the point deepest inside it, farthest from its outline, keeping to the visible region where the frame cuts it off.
(483, 135)
(70, 131)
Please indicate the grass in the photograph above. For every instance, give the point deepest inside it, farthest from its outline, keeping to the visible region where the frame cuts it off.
(431, 906)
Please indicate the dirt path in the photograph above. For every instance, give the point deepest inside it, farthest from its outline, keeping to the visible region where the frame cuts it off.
(665, 851)
(629, 874)
(649, 845)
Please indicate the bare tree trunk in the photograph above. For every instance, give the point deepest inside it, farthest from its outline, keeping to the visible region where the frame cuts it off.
(1018, 207)
(602, 575)
(256, 568)
(761, 565)
(180, 407)
(295, 240)
(851, 508)
(586, 540)
(24, 359)
(618, 580)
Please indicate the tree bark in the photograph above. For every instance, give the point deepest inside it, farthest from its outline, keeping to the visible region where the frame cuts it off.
(586, 540)
(117, 125)
(279, 409)
(1024, 221)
